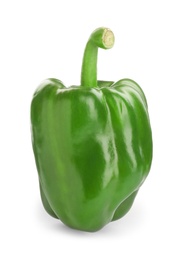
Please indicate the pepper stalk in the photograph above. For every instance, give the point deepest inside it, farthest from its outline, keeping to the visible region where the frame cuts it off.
(102, 38)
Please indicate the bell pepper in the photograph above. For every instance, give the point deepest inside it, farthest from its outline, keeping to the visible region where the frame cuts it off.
(92, 143)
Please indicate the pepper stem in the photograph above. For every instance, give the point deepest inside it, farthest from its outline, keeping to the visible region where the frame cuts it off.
(103, 38)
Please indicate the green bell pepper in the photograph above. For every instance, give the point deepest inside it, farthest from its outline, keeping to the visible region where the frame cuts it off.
(92, 143)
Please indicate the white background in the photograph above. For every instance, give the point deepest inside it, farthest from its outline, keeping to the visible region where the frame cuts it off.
(41, 39)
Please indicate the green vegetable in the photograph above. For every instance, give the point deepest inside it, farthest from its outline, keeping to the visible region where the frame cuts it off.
(92, 143)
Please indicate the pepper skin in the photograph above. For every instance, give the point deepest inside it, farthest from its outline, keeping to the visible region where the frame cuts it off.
(92, 143)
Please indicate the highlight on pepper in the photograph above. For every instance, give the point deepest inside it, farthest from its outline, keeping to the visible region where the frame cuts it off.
(92, 143)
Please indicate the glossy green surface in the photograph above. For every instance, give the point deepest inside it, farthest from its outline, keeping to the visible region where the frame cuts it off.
(93, 149)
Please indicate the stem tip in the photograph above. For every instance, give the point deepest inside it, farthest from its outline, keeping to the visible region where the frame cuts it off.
(108, 38)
